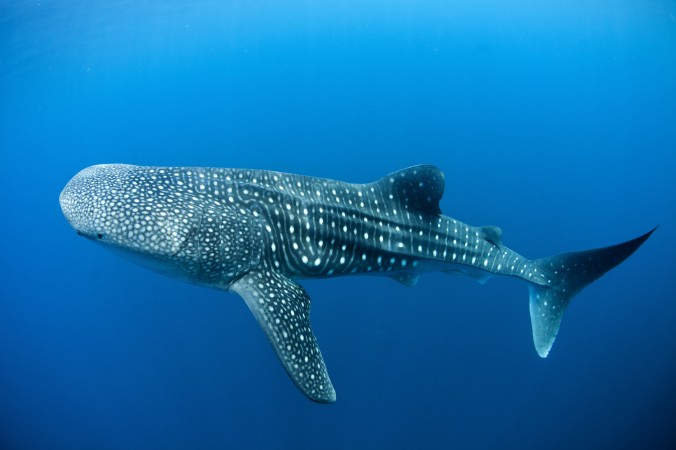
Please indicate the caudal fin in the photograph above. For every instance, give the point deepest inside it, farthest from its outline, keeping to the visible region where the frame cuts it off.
(569, 274)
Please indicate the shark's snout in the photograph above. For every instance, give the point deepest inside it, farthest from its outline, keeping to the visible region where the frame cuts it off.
(84, 200)
(75, 199)
(66, 203)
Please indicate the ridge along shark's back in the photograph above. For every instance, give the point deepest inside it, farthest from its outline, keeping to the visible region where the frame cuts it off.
(255, 232)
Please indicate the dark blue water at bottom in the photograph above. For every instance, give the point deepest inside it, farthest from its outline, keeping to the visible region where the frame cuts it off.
(554, 121)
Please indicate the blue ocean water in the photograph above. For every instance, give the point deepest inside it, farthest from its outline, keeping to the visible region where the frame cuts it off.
(554, 120)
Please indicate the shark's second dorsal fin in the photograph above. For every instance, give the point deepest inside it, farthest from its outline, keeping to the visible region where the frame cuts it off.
(419, 187)
(492, 234)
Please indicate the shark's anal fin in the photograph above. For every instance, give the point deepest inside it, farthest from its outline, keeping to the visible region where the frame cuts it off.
(282, 309)
(481, 276)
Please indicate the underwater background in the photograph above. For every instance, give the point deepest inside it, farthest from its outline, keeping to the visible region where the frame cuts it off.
(554, 120)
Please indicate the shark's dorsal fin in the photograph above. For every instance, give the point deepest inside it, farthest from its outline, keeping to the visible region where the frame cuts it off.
(419, 187)
(282, 309)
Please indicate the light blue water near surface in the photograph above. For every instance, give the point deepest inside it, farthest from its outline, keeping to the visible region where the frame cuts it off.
(554, 120)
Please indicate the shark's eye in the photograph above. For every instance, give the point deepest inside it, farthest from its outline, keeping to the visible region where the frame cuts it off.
(100, 236)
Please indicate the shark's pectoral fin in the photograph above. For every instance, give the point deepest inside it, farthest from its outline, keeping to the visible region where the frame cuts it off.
(282, 309)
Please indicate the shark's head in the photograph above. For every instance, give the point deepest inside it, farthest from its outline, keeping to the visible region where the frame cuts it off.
(120, 206)
(155, 216)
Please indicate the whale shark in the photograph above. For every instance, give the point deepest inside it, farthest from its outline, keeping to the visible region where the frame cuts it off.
(256, 233)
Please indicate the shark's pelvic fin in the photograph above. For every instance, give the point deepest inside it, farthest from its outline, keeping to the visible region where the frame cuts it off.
(569, 274)
(409, 279)
(420, 187)
(282, 309)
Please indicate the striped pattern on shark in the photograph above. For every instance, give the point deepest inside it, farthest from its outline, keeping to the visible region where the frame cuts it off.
(256, 233)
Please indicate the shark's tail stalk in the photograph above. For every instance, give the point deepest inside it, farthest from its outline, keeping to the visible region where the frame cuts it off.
(568, 274)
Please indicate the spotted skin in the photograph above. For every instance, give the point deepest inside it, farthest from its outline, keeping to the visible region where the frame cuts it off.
(256, 232)
(282, 308)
